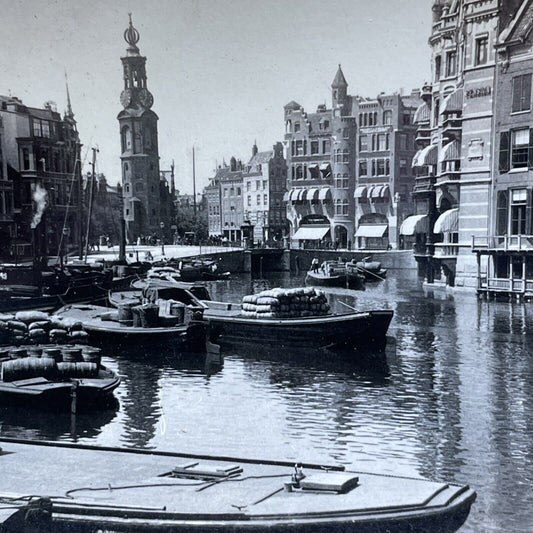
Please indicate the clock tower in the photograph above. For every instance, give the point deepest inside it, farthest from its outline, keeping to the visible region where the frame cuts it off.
(139, 150)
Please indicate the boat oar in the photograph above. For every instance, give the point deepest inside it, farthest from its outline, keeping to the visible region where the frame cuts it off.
(347, 305)
(370, 272)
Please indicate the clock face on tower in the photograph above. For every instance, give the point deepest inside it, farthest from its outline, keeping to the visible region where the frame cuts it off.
(125, 98)
(145, 98)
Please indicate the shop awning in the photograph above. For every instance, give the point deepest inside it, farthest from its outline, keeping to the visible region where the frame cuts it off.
(371, 230)
(415, 224)
(311, 233)
(360, 192)
(422, 114)
(286, 196)
(426, 156)
(385, 191)
(451, 151)
(448, 222)
(324, 194)
(311, 194)
(453, 103)
(301, 195)
(324, 166)
(312, 166)
(376, 191)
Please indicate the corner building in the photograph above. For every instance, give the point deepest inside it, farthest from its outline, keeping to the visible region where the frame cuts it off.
(454, 177)
(349, 177)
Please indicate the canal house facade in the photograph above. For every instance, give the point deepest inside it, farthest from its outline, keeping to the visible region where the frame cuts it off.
(349, 173)
(40, 181)
(509, 243)
(454, 165)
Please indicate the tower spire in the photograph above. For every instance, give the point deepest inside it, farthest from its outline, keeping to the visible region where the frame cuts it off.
(131, 36)
(69, 112)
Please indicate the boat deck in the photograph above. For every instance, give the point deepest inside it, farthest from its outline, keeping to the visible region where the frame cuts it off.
(85, 481)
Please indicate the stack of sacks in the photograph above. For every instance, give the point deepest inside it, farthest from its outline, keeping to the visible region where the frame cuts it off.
(36, 327)
(285, 303)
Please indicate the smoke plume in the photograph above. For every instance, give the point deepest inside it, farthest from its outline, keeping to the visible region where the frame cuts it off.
(39, 197)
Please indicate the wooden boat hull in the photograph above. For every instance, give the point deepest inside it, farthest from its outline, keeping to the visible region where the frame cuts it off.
(322, 280)
(343, 331)
(187, 337)
(143, 495)
(49, 394)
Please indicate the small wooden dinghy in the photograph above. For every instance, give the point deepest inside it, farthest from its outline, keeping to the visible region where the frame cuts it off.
(171, 492)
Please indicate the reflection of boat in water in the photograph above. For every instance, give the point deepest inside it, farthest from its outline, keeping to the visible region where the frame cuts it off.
(335, 274)
(184, 331)
(165, 491)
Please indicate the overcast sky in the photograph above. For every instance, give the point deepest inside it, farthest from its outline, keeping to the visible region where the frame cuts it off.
(220, 70)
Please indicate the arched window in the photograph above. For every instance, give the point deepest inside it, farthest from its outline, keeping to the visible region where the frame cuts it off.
(148, 138)
(126, 139)
(299, 172)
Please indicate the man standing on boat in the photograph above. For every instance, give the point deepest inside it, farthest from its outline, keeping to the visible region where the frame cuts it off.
(314, 265)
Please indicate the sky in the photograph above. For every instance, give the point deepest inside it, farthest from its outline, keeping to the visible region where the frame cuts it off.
(220, 70)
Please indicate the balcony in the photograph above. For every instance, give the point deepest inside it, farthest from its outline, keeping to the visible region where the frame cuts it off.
(452, 128)
(502, 243)
(448, 250)
(424, 184)
(423, 135)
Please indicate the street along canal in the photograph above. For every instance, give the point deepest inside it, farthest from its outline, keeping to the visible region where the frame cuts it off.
(450, 398)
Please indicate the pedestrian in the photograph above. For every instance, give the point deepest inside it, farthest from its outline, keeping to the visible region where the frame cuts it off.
(314, 265)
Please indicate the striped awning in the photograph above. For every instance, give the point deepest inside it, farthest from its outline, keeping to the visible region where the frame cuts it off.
(426, 156)
(376, 191)
(286, 196)
(324, 194)
(311, 194)
(415, 224)
(451, 151)
(385, 191)
(371, 230)
(453, 103)
(422, 114)
(448, 222)
(301, 195)
(360, 192)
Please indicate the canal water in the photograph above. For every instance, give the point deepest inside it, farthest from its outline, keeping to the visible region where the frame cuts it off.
(450, 398)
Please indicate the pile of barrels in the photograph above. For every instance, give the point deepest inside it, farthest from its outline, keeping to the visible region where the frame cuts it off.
(164, 313)
(37, 327)
(286, 303)
(51, 362)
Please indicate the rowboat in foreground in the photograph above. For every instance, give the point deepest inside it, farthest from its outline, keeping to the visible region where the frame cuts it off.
(104, 325)
(52, 382)
(160, 491)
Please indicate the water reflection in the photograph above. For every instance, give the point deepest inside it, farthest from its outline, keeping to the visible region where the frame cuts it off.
(450, 397)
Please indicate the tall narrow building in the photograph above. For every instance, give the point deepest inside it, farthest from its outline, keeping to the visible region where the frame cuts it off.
(139, 147)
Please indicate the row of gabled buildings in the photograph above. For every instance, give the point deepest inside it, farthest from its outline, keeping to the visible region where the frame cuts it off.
(341, 178)
(473, 223)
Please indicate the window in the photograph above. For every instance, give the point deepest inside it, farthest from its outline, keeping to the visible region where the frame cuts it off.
(345, 155)
(363, 167)
(238, 191)
(326, 146)
(248, 186)
(406, 119)
(482, 46)
(451, 63)
(521, 93)
(264, 184)
(382, 142)
(437, 68)
(518, 211)
(232, 192)
(249, 200)
(403, 141)
(346, 133)
(299, 172)
(296, 127)
(519, 148)
(403, 167)
(258, 199)
(387, 117)
(363, 143)
(299, 148)
(257, 185)
(314, 147)
(380, 167)
(127, 211)
(265, 199)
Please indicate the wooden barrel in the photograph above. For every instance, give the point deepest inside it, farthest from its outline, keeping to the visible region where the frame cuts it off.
(52, 353)
(28, 367)
(136, 312)
(77, 370)
(72, 355)
(18, 353)
(92, 355)
(177, 309)
(149, 315)
(125, 314)
(35, 351)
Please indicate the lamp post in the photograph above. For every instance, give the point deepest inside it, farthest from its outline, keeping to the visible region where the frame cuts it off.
(162, 226)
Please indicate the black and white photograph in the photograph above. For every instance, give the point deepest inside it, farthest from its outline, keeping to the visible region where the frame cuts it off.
(266, 266)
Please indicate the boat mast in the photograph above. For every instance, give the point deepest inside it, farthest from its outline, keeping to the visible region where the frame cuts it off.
(91, 185)
(194, 184)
